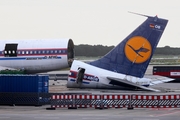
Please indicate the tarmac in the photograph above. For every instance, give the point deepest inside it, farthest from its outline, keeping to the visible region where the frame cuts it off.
(41, 113)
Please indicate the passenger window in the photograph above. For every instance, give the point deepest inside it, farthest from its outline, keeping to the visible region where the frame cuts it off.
(9, 52)
(22, 52)
(27, 52)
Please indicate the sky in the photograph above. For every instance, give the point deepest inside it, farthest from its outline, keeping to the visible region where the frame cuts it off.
(93, 22)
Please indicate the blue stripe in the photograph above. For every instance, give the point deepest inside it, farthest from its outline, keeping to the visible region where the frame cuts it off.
(26, 58)
(5, 58)
(86, 82)
(73, 80)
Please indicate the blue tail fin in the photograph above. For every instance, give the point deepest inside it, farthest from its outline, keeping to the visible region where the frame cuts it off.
(133, 54)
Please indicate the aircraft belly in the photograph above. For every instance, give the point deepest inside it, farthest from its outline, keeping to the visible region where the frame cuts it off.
(85, 84)
(36, 65)
(93, 85)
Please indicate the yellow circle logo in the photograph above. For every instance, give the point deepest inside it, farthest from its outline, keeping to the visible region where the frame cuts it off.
(138, 49)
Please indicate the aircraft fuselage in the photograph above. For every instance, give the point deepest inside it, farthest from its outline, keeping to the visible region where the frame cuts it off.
(36, 55)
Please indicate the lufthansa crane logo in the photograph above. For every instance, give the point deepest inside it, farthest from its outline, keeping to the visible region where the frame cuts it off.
(138, 49)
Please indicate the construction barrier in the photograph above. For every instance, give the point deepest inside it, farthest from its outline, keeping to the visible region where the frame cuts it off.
(86, 101)
(61, 100)
(74, 101)
(114, 101)
(155, 101)
(169, 101)
(144, 101)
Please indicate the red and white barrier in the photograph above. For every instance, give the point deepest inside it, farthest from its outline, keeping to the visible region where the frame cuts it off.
(144, 101)
(86, 101)
(61, 101)
(115, 101)
(95, 97)
(169, 101)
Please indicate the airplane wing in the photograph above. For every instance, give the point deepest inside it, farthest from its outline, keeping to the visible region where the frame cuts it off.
(156, 79)
(117, 81)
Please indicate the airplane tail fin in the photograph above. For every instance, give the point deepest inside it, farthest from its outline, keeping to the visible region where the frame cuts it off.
(133, 54)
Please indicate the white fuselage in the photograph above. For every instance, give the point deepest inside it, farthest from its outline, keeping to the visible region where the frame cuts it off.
(95, 77)
(35, 55)
(38, 65)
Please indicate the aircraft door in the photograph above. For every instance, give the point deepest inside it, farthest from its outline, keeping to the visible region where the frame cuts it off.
(80, 75)
(10, 50)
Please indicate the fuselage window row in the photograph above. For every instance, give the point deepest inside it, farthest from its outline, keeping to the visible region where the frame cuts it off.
(34, 52)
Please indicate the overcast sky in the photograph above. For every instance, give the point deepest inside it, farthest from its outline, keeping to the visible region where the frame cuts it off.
(105, 22)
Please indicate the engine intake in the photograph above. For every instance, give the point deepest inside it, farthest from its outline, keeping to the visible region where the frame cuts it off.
(70, 55)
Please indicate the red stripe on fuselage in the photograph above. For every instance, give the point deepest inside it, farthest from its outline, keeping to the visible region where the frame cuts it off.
(75, 75)
(44, 49)
(40, 52)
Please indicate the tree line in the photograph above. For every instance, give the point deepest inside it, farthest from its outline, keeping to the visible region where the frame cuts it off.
(100, 50)
(92, 50)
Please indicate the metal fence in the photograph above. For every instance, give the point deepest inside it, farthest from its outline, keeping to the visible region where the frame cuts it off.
(115, 101)
(87, 100)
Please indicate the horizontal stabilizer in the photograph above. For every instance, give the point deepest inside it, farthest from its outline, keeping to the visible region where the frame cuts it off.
(156, 79)
(131, 84)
